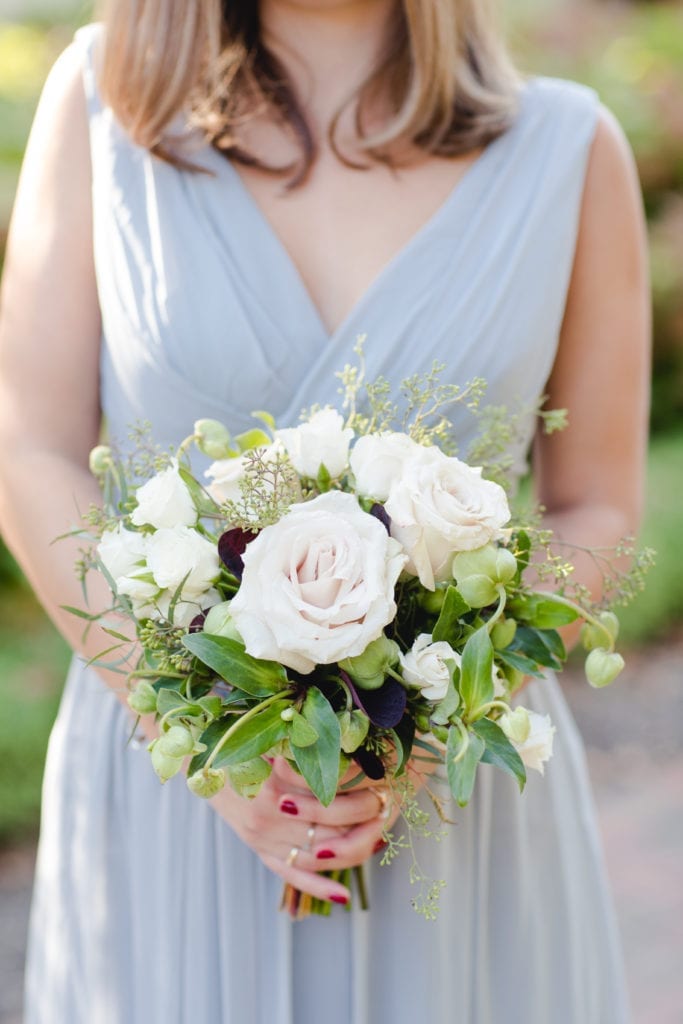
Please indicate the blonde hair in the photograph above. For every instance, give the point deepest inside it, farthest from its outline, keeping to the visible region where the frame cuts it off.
(444, 69)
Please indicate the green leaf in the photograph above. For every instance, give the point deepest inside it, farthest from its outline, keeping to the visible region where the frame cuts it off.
(229, 659)
(522, 552)
(202, 501)
(302, 733)
(476, 671)
(319, 763)
(447, 624)
(544, 647)
(211, 705)
(252, 736)
(265, 417)
(450, 703)
(499, 751)
(519, 661)
(169, 700)
(542, 611)
(88, 616)
(462, 774)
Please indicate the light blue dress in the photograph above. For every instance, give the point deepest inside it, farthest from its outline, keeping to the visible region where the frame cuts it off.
(147, 909)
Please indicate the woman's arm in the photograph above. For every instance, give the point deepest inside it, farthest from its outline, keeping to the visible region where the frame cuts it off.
(590, 477)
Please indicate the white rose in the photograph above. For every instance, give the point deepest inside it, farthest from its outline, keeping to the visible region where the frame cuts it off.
(439, 506)
(537, 748)
(322, 440)
(377, 461)
(425, 666)
(184, 611)
(165, 501)
(227, 475)
(318, 586)
(142, 594)
(122, 551)
(174, 553)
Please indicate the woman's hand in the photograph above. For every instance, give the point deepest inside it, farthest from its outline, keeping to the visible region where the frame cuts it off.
(286, 816)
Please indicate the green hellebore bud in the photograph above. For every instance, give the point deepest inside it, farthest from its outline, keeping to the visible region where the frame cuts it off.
(516, 725)
(206, 782)
(177, 742)
(143, 699)
(164, 765)
(478, 591)
(100, 459)
(603, 667)
(432, 600)
(440, 733)
(247, 778)
(592, 636)
(368, 670)
(503, 633)
(218, 622)
(499, 564)
(422, 723)
(212, 438)
(354, 729)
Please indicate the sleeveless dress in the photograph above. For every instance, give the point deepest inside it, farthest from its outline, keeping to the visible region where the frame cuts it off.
(147, 908)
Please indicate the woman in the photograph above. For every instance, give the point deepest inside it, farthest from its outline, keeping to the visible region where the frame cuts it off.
(455, 213)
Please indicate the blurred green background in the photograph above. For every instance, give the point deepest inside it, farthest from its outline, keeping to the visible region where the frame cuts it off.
(632, 53)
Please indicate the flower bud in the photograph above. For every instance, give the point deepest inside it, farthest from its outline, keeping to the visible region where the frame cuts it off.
(603, 667)
(503, 633)
(247, 778)
(478, 591)
(516, 725)
(143, 699)
(499, 564)
(432, 600)
(177, 742)
(164, 765)
(369, 669)
(206, 782)
(212, 438)
(219, 622)
(100, 459)
(591, 634)
(354, 729)
(287, 715)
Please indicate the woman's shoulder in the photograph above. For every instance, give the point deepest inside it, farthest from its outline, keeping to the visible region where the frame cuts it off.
(558, 102)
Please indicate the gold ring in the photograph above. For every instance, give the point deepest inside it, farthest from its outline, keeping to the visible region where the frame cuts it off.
(383, 798)
(310, 836)
(292, 855)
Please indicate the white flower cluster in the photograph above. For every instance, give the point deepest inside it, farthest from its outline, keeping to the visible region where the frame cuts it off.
(149, 567)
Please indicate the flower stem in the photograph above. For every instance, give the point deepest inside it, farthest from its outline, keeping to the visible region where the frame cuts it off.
(583, 614)
(240, 721)
(460, 726)
(502, 600)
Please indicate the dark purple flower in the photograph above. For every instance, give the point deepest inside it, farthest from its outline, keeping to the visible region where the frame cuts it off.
(232, 546)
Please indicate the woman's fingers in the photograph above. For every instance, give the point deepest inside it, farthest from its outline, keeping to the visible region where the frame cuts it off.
(346, 810)
(307, 880)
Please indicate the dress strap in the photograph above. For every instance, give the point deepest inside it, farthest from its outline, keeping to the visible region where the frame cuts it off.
(88, 40)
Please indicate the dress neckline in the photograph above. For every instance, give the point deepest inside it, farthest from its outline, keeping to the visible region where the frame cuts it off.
(455, 201)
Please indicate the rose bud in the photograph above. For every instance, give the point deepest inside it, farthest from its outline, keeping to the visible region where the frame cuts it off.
(369, 669)
(143, 699)
(219, 622)
(246, 779)
(100, 459)
(503, 633)
(164, 765)
(212, 438)
(603, 667)
(206, 782)
(177, 742)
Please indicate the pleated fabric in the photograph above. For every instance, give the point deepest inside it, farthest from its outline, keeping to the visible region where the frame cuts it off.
(147, 908)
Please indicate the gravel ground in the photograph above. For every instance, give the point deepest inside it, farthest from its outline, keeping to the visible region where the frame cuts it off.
(634, 739)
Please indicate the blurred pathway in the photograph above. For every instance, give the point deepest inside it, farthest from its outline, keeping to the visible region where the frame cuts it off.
(634, 738)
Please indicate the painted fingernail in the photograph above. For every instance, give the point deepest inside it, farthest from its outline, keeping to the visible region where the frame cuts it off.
(338, 898)
(270, 760)
(325, 854)
(379, 845)
(289, 807)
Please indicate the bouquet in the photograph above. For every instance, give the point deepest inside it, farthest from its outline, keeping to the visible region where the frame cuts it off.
(347, 593)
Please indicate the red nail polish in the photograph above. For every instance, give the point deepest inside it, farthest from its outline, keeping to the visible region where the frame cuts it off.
(289, 807)
(379, 845)
(325, 854)
(338, 898)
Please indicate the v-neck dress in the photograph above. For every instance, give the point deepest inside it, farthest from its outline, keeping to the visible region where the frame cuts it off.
(147, 908)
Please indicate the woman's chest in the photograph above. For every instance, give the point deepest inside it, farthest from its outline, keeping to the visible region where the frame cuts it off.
(344, 226)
